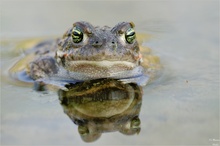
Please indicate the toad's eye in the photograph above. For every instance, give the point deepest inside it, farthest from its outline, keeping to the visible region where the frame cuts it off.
(77, 34)
(130, 35)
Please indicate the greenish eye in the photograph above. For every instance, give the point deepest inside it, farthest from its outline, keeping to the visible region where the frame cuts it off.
(77, 35)
(130, 35)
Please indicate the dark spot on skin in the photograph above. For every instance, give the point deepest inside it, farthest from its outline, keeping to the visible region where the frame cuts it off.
(63, 60)
(120, 32)
(47, 51)
(37, 52)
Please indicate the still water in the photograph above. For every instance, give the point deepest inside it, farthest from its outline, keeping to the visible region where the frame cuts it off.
(179, 107)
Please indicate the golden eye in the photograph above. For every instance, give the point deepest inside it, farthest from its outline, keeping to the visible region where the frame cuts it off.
(130, 35)
(77, 35)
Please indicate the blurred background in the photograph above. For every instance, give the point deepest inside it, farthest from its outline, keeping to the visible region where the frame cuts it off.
(25, 18)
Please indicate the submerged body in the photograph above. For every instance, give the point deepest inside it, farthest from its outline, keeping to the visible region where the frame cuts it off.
(86, 52)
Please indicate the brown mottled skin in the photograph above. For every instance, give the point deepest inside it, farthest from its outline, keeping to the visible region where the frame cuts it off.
(99, 44)
(87, 52)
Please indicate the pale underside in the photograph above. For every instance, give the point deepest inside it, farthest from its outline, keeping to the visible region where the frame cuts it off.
(99, 69)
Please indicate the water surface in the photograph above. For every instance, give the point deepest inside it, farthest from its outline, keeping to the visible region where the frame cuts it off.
(180, 107)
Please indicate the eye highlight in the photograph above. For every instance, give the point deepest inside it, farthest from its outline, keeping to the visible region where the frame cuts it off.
(77, 34)
(130, 35)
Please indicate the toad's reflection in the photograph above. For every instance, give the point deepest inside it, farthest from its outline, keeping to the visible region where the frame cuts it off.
(105, 105)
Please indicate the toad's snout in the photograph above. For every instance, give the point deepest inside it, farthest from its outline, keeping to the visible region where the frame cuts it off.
(98, 42)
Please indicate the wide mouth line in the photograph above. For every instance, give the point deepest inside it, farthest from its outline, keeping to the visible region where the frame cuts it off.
(103, 63)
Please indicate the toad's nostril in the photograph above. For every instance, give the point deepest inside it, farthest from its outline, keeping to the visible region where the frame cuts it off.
(97, 44)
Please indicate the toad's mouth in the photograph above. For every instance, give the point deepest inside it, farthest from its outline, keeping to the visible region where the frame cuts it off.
(87, 70)
(101, 67)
